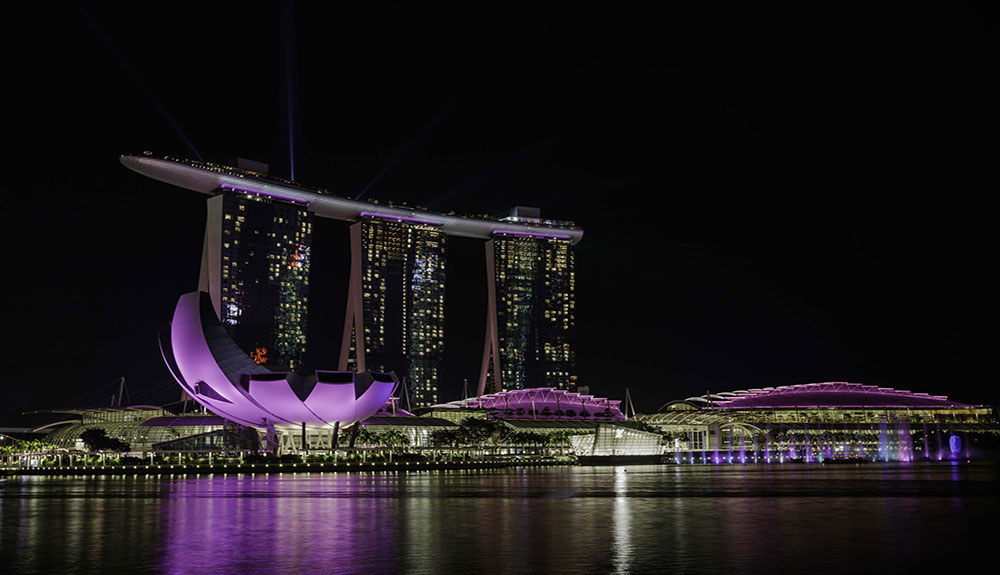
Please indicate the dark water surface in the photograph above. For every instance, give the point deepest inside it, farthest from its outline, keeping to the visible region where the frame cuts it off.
(634, 519)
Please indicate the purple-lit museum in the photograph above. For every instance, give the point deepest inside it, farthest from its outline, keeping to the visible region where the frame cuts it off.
(829, 421)
(216, 373)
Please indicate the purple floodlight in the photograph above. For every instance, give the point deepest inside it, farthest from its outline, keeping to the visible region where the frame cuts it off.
(248, 393)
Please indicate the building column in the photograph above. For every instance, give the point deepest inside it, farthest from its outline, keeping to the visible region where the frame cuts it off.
(491, 345)
(354, 318)
(210, 278)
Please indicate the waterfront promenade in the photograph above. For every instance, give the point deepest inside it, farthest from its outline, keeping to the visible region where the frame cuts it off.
(280, 465)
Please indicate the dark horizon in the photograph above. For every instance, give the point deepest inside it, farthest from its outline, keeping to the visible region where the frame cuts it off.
(773, 197)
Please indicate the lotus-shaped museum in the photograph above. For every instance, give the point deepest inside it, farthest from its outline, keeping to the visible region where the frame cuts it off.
(219, 375)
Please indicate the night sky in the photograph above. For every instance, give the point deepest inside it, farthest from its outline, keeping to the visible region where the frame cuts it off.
(769, 197)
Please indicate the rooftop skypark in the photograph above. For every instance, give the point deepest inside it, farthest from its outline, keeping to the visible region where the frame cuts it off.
(208, 178)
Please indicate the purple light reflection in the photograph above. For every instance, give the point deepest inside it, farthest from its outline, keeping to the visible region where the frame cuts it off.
(244, 523)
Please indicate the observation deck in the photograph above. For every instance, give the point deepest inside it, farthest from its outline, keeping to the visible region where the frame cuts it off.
(208, 178)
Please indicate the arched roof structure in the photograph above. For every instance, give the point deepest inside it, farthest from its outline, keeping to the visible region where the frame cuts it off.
(541, 402)
(835, 394)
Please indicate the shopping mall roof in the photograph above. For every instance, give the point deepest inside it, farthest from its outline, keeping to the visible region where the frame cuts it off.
(540, 402)
(836, 394)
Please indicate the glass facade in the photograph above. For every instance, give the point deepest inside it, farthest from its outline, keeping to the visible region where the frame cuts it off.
(402, 294)
(535, 285)
(264, 279)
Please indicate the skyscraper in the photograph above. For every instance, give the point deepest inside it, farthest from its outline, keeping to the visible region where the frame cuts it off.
(395, 302)
(256, 259)
(531, 316)
(255, 267)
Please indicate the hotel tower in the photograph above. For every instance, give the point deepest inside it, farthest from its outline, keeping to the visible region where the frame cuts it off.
(530, 320)
(395, 303)
(255, 268)
(256, 263)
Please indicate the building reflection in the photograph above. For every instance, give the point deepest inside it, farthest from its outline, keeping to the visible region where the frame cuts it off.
(648, 519)
(622, 540)
(286, 523)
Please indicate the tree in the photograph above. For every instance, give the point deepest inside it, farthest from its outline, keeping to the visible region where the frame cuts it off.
(392, 437)
(477, 431)
(366, 437)
(561, 438)
(445, 438)
(27, 446)
(96, 439)
(524, 438)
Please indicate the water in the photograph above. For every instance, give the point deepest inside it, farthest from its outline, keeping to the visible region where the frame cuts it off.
(635, 519)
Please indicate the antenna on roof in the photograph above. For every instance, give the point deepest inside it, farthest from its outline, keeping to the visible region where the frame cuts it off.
(121, 391)
(628, 404)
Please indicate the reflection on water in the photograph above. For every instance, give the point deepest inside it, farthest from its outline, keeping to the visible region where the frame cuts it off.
(639, 519)
(622, 545)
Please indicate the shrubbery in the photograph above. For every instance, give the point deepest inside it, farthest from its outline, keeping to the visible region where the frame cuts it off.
(27, 446)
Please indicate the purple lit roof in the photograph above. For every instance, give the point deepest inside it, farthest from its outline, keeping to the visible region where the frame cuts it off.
(829, 394)
(544, 401)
